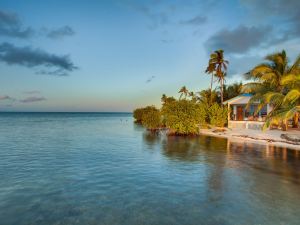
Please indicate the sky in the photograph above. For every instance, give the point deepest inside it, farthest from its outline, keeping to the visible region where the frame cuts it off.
(116, 55)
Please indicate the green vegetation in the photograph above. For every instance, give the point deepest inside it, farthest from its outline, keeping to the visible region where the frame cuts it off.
(148, 116)
(191, 111)
(151, 118)
(217, 115)
(274, 82)
(183, 117)
(138, 114)
(183, 92)
(217, 67)
(278, 84)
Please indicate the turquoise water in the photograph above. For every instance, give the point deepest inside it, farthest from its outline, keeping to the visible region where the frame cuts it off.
(87, 168)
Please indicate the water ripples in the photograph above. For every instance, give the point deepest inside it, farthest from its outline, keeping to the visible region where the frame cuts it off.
(103, 169)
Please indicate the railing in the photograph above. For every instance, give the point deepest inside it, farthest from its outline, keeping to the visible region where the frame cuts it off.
(246, 124)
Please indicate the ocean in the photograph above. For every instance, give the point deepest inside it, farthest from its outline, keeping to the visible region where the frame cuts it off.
(101, 168)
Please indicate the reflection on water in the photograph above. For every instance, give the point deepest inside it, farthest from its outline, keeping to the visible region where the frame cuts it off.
(248, 182)
(187, 148)
(104, 169)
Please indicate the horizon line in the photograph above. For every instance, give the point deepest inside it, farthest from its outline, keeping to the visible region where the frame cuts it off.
(63, 112)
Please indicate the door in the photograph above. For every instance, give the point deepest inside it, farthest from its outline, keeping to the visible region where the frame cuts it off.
(240, 113)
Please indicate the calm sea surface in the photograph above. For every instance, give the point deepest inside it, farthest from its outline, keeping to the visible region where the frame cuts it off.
(88, 168)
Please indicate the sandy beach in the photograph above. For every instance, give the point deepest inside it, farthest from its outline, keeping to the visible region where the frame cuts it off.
(268, 137)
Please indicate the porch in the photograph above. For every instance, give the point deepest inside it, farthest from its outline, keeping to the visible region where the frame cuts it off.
(241, 116)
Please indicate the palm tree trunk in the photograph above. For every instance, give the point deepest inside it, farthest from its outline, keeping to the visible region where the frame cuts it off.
(211, 84)
(295, 120)
(284, 125)
(222, 92)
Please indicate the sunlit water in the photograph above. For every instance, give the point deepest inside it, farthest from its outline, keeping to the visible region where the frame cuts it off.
(103, 169)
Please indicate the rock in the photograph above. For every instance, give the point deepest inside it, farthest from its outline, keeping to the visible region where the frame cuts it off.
(291, 137)
(219, 130)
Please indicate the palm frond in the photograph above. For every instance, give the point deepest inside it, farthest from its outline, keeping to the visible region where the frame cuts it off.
(290, 80)
(274, 98)
(269, 77)
(292, 96)
(257, 98)
(252, 87)
(295, 68)
(281, 115)
(259, 70)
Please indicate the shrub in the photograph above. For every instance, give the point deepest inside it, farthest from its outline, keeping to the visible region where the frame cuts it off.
(138, 114)
(217, 115)
(151, 118)
(183, 117)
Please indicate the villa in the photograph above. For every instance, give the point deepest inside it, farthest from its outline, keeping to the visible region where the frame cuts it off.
(241, 116)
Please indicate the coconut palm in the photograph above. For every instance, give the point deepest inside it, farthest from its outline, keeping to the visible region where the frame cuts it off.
(193, 96)
(210, 70)
(217, 66)
(232, 90)
(165, 99)
(206, 96)
(276, 83)
(183, 92)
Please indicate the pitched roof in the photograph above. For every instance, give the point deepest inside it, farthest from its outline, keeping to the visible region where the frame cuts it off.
(240, 99)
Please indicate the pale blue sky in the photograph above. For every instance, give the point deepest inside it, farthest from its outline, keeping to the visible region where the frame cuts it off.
(126, 54)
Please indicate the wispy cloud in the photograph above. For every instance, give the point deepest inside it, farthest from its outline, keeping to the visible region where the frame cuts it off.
(60, 32)
(156, 18)
(195, 21)
(33, 99)
(6, 97)
(31, 92)
(166, 41)
(11, 26)
(30, 99)
(30, 57)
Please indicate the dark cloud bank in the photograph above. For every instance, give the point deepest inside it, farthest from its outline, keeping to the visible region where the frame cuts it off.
(240, 39)
(243, 38)
(34, 57)
(11, 26)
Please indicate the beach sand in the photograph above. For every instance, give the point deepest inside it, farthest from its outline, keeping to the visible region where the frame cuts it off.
(268, 137)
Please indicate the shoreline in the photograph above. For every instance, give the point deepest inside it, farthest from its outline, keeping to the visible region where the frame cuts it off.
(269, 137)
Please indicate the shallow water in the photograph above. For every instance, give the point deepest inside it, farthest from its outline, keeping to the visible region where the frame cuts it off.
(87, 168)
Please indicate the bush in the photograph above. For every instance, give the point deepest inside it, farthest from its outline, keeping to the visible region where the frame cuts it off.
(151, 118)
(138, 114)
(217, 115)
(183, 117)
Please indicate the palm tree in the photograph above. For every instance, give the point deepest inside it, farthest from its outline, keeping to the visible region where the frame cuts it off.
(210, 70)
(217, 66)
(193, 96)
(206, 96)
(164, 98)
(232, 90)
(276, 83)
(183, 91)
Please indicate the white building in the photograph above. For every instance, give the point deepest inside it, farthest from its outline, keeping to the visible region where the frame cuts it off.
(241, 116)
